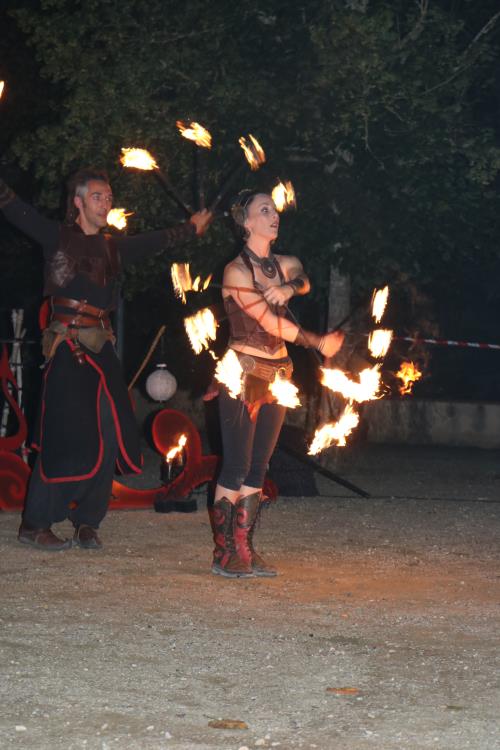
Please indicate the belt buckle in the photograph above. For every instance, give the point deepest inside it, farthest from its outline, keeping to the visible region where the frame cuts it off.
(247, 363)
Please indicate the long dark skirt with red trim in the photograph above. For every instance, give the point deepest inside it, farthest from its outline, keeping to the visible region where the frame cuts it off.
(69, 435)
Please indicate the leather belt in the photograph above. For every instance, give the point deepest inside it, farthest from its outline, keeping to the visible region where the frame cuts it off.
(87, 316)
(264, 368)
(81, 321)
(80, 305)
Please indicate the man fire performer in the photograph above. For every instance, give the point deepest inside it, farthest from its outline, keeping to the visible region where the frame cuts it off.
(86, 425)
(257, 286)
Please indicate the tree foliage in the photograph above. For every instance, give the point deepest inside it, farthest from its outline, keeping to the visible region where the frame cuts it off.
(379, 111)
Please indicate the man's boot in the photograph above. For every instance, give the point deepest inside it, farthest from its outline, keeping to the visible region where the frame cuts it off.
(86, 537)
(43, 539)
(226, 561)
(259, 566)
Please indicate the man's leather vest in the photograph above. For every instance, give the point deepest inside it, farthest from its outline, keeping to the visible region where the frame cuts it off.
(94, 256)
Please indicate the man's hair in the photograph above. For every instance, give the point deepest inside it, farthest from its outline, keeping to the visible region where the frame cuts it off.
(78, 184)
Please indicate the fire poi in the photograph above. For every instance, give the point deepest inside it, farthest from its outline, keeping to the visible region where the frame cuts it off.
(196, 133)
(379, 303)
(139, 158)
(117, 217)
(409, 374)
(336, 432)
(283, 196)
(201, 328)
(255, 156)
(182, 281)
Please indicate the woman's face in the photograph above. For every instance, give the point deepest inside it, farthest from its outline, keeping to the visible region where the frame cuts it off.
(262, 220)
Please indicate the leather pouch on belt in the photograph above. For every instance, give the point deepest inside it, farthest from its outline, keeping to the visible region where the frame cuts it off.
(254, 389)
(51, 338)
(95, 338)
(91, 338)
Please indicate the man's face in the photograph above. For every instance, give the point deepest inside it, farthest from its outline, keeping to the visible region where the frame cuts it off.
(94, 206)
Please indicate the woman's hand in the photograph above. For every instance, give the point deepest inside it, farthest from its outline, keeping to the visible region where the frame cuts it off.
(279, 295)
(330, 343)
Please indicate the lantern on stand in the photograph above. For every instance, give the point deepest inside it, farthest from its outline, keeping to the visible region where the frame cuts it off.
(161, 384)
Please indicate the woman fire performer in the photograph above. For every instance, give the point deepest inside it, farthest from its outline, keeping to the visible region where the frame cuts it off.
(257, 287)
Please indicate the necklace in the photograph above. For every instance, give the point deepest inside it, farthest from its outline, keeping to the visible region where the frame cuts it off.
(267, 265)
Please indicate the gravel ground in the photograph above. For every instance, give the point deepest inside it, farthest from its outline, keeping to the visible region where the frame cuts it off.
(395, 597)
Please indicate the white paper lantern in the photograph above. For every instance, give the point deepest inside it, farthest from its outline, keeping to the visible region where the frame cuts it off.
(161, 384)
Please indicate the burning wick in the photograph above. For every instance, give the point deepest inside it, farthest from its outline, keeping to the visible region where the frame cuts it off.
(254, 153)
(200, 137)
(255, 156)
(366, 390)
(117, 217)
(379, 303)
(174, 454)
(229, 372)
(285, 392)
(139, 158)
(182, 282)
(334, 432)
(283, 196)
(201, 328)
(408, 373)
(379, 342)
(195, 132)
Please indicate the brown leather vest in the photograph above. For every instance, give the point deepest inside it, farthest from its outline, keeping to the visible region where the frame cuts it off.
(247, 330)
(94, 256)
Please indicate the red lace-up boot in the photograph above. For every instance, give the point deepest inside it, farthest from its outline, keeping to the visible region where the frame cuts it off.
(253, 504)
(246, 510)
(226, 561)
(259, 566)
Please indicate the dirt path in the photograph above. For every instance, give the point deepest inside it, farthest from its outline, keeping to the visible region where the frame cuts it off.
(139, 646)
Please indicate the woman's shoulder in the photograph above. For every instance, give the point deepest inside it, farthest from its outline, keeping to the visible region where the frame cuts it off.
(286, 260)
(236, 267)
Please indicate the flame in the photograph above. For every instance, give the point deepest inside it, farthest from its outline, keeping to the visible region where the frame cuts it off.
(379, 303)
(195, 132)
(182, 282)
(334, 432)
(229, 372)
(379, 342)
(176, 450)
(408, 373)
(285, 392)
(138, 158)
(283, 196)
(365, 390)
(2, 86)
(201, 328)
(117, 217)
(254, 153)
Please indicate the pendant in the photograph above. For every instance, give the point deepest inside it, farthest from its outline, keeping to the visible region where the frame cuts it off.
(266, 265)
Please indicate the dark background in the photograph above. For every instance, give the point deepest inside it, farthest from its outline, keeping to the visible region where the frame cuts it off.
(384, 115)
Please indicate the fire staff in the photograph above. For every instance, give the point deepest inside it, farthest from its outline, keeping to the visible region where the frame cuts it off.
(86, 426)
(257, 286)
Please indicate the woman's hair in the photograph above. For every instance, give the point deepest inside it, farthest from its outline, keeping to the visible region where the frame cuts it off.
(239, 208)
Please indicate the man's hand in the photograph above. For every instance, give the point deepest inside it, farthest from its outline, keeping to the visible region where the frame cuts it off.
(201, 221)
(279, 295)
